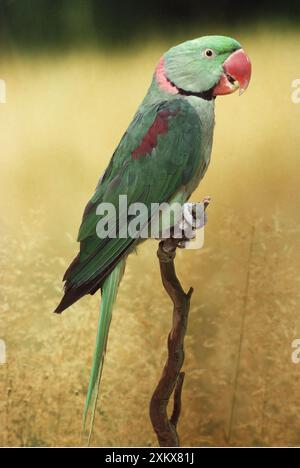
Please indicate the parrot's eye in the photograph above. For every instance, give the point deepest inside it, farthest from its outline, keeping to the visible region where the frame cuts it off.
(209, 53)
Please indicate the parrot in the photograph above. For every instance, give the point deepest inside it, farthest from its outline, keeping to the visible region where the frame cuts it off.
(161, 158)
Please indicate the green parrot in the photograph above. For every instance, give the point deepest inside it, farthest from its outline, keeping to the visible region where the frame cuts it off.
(161, 158)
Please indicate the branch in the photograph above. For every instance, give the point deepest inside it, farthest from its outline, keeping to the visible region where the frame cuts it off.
(172, 378)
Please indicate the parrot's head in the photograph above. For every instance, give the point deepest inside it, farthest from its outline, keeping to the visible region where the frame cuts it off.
(210, 64)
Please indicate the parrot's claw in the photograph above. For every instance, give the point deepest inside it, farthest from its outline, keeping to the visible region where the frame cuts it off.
(195, 217)
(184, 242)
(206, 201)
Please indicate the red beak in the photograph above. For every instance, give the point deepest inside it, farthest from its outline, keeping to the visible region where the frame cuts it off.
(237, 74)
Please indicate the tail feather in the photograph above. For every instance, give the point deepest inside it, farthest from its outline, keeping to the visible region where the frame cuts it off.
(109, 294)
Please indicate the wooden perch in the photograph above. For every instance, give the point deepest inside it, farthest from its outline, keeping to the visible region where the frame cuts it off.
(172, 378)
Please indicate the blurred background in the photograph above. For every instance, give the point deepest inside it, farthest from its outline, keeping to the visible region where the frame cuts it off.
(75, 73)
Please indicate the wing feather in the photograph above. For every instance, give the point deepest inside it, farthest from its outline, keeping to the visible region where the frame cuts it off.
(157, 156)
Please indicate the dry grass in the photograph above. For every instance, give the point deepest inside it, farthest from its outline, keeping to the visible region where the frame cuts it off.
(63, 118)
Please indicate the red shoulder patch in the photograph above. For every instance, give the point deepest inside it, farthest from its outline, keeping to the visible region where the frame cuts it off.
(160, 126)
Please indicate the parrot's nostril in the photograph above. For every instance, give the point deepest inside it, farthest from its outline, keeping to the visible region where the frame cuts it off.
(231, 79)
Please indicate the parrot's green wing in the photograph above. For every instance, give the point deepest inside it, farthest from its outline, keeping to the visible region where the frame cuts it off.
(157, 156)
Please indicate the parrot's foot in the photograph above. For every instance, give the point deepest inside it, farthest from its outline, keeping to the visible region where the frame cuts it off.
(194, 217)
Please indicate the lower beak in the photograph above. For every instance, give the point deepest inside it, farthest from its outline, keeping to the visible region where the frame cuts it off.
(237, 74)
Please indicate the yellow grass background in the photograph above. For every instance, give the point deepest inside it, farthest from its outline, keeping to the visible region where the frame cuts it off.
(64, 115)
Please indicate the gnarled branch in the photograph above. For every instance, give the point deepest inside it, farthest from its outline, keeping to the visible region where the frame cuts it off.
(172, 378)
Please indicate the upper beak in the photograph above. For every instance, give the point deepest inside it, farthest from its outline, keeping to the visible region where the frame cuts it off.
(237, 74)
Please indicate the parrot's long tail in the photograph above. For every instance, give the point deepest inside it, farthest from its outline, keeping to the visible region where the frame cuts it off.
(109, 294)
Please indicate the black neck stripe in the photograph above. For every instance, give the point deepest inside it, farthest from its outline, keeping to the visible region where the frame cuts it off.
(207, 95)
